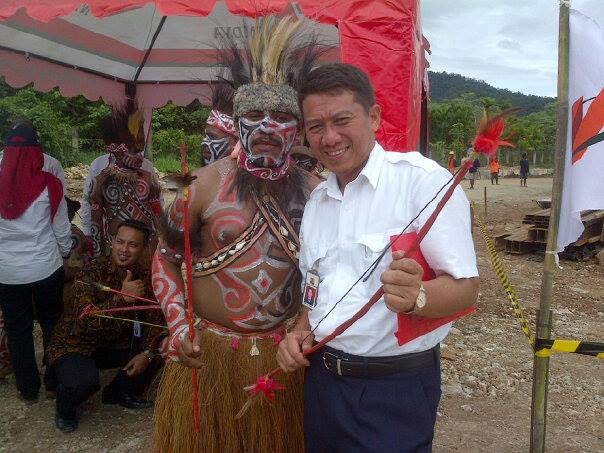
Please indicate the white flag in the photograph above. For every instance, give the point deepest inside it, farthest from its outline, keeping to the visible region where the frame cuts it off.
(583, 186)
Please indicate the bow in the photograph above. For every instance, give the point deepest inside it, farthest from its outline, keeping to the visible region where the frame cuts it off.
(486, 141)
(189, 274)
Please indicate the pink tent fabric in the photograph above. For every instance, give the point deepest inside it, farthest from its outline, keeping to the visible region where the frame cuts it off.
(326, 11)
(97, 48)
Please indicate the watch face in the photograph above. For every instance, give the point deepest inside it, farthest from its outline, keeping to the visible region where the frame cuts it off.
(421, 299)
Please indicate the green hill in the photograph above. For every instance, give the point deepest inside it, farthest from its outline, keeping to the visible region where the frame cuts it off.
(444, 85)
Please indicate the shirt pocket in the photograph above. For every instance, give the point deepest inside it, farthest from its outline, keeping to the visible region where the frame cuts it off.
(371, 247)
(316, 257)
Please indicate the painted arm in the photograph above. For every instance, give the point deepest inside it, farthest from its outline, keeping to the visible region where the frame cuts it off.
(168, 284)
(169, 290)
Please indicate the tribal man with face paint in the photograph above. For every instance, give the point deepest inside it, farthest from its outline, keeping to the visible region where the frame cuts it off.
(221, 134)
(244, 215)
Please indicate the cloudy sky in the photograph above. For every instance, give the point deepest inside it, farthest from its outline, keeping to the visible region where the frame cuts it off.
(507, 43)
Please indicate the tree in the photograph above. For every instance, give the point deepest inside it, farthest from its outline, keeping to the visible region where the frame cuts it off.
(453, 125)
(54, 116)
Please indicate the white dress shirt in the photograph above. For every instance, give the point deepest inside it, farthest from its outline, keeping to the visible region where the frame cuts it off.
(32, 246)
(96, 167)
(342, 234)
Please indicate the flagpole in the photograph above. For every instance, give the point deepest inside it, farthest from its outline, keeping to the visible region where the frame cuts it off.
(544, 318)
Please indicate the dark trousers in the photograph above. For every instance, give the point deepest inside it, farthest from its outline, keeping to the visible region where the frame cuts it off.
(18, 302)
(78, 378)
(387, 414)
(495, 177)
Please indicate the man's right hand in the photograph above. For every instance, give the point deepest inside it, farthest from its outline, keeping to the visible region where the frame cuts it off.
(189, 352)
(134, 287)
(289, 355)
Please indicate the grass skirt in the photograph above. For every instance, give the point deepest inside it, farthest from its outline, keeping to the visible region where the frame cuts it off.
(265, 428)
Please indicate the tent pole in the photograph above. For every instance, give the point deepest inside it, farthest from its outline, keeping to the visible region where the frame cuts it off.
(544, 318)
(148, 52)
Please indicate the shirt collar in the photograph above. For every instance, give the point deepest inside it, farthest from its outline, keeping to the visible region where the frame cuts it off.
(371, 172)
(373, 167)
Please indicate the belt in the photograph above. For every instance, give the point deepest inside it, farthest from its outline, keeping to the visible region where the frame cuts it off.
(344, 364)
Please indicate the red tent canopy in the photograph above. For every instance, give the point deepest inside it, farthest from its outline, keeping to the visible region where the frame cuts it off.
(163, 48)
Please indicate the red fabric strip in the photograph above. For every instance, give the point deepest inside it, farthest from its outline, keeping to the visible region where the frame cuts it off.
(412, 326)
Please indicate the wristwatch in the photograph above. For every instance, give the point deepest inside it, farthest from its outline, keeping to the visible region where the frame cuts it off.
(420, 302)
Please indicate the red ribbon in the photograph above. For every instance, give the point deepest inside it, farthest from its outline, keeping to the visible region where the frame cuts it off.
(90, 310)
(266, 386)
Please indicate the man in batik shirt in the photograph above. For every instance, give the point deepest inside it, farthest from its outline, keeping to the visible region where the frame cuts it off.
(84, 342)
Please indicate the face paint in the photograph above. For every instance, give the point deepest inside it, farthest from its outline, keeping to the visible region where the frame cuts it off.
(215, 149)
(266, 165)
(222, 121)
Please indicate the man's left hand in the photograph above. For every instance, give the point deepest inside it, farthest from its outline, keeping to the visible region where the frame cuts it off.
(137, 364)
(401, 283)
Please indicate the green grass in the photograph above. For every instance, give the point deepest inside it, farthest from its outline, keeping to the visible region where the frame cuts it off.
(71, 159)
(163, 162)
(171, 162)
(166, 163)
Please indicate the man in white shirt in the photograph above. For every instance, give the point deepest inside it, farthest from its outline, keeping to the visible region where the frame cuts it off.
(35, 236)
(375, 387)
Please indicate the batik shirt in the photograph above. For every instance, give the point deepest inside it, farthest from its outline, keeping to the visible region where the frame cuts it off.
(86, 335)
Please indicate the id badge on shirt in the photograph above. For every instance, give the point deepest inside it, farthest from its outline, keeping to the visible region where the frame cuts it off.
(311, 289)
(137, 331)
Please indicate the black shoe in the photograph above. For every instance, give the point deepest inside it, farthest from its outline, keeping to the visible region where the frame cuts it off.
(66, 425)
(29, 400)
(125, 400)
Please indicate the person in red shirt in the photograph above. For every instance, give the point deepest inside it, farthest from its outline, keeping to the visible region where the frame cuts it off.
(494, 168)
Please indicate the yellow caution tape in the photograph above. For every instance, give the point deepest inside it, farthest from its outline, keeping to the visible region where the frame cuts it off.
(542, 347)
(574, 346)
(505, 282)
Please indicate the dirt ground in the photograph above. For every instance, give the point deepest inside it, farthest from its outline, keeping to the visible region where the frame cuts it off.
(487, 363)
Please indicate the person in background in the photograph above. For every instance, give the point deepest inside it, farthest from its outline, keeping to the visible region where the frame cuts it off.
(96, 167)
(451, 164)
(473, 170)
(123, 190)
(221, 134)
(81, 249)
(524, 170)
(35, 237)
(494, 169)
(80, 346)
(6, 367)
